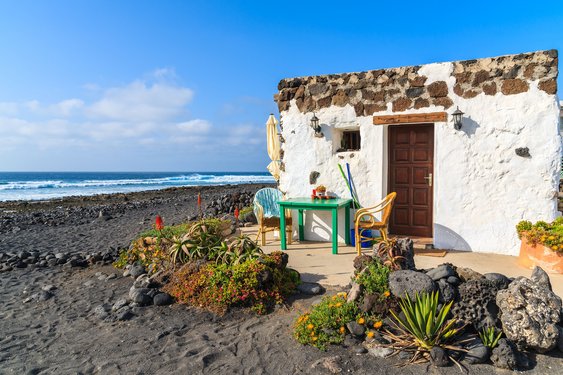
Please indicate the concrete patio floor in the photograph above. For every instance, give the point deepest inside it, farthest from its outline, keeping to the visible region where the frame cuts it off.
(316, 263)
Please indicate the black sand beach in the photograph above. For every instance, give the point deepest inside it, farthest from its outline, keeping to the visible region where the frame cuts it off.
(63, 335)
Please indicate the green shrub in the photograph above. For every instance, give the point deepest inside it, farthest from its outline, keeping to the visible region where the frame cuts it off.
(374, 279)
(179, 244)
(255, 283)
(326, 323)
(168, 231)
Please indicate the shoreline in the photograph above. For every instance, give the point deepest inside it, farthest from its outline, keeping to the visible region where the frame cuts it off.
(107, 221)
(70, 199)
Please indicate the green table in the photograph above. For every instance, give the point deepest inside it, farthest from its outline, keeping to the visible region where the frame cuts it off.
(302, 204)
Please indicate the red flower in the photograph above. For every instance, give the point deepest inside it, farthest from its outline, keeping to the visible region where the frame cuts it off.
(159, 224)
(236, 213)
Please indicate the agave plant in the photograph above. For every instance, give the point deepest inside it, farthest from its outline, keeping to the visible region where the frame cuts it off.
(176, 250)
(423, 327)
(238, 250)
(199, 242)
(490, 337)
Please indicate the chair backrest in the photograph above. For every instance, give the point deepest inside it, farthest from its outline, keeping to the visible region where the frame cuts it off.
(387, 206)
(268, 198)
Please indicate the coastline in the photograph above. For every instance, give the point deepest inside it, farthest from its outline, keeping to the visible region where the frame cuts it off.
(82, 224)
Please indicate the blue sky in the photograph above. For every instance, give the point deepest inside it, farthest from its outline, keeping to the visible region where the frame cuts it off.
(188, 85)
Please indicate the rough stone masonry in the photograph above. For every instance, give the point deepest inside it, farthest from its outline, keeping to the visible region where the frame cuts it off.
(369, 92)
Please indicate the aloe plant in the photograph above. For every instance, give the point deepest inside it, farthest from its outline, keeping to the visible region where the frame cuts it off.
(238, 250)
(490, 337)
(424, 326)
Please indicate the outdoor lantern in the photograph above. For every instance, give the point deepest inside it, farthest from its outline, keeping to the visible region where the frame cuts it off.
(458, 115)
(315, 124)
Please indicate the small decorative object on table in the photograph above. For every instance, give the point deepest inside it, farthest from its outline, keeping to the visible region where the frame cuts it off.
(320, 193)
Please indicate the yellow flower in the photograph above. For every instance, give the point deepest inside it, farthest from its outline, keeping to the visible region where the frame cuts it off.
(386, 293)
(361, 321)
(370, 335)
(312, 333)
(310, 326)
(377, 325)
(561, 246)
(334, 297)
(551, 238)
(554, 247)
(339, 304)
(315, 338)
(342, 294)
(342, 330)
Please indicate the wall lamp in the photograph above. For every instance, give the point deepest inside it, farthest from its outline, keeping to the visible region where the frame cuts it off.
(458, 116)
(315, 125)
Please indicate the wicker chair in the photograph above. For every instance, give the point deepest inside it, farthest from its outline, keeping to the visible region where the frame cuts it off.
(365, 220)
(267, 211)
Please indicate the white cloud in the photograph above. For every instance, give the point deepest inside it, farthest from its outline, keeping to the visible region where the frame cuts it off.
(67, 107)
(32, 105)
(138, 113)
(119, 131)
(8, 108)
(141, 102)
(139, 118)
(246, 134)
(197, 126)
(164, 73)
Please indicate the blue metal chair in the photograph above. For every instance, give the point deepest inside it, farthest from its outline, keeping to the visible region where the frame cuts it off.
(267, 211)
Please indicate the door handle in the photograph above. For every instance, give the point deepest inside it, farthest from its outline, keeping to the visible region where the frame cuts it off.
(429, 179)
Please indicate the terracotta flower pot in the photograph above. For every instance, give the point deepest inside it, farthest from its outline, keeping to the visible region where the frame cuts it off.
(540, 255)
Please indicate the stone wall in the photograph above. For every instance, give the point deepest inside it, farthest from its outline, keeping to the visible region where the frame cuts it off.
(482, 186)
(406, 88)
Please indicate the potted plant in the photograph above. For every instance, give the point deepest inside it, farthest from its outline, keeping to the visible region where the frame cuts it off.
(542, 245)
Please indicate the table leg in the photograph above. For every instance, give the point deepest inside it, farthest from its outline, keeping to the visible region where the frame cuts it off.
(335, 231)
(347, 224)
(282, 228)
(301, 226)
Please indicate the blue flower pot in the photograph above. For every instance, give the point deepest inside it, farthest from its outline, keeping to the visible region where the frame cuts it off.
(366, 243)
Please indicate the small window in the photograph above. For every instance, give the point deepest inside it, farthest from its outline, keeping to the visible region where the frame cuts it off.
(350, 141)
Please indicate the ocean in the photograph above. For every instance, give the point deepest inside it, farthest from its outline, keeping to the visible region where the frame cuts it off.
(49, 185)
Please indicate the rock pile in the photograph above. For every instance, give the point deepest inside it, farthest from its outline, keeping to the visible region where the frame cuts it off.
(24, 259)
(144, 292)
(226, 203)
(526, 310)
(531, 312)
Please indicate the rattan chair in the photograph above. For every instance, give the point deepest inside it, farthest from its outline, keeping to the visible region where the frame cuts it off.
(365, 219)
(267, 211)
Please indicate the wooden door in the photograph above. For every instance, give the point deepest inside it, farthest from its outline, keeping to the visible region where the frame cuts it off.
(411, 155)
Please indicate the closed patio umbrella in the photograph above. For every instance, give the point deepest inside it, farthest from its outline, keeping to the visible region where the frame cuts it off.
(273, 144)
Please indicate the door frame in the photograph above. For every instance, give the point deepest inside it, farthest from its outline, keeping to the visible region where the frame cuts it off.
(387, 157)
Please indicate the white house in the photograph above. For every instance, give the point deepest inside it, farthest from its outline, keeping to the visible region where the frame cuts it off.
(466, 188)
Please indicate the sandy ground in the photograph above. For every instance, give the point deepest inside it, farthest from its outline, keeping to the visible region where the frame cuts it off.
(62, 335)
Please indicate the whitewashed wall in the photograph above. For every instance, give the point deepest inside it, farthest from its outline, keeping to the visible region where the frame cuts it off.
(482, 189)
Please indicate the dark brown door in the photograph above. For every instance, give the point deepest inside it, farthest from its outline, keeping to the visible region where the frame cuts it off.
(411, 155)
